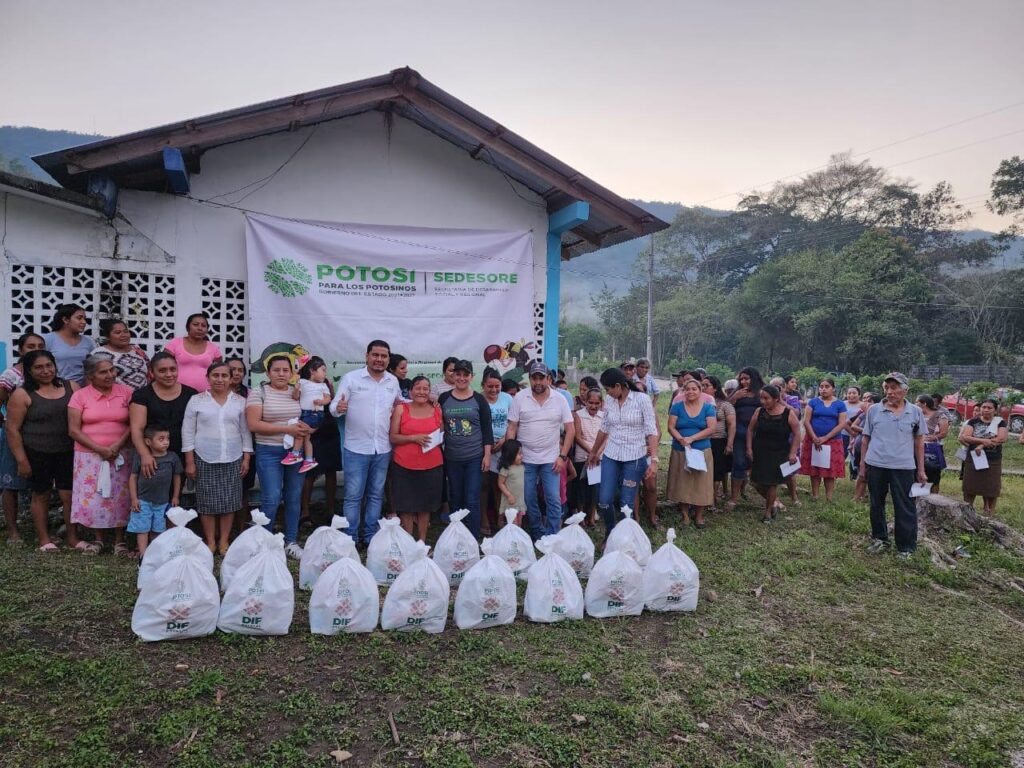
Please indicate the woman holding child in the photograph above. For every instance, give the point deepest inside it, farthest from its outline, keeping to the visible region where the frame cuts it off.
(272, 414)
(98, 423)
(217, 444)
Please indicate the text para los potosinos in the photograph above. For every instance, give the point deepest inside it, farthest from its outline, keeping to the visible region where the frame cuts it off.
(402, 276)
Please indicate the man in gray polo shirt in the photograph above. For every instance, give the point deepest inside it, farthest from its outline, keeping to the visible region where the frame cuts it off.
(893, 452)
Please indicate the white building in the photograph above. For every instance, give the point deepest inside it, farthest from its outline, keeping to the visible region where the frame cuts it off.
(150, 226)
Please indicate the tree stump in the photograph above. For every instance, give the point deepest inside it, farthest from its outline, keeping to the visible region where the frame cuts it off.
(940, 514)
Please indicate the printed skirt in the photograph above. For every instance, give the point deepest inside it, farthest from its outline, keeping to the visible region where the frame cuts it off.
(88, 506)
(218, 487)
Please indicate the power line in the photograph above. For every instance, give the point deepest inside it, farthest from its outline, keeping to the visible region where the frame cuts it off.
(929, 132)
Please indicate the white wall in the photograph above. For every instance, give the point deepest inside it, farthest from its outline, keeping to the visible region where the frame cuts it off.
(348, 171)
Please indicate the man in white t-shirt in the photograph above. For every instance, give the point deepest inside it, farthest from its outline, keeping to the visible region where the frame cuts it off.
(536, 419)
(366, 397)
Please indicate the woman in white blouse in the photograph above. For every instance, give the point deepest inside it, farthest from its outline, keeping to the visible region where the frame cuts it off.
(217, 446)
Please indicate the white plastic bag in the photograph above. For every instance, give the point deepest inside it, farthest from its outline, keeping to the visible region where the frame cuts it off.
(171, 544)
(456, 550)
(575, 546)
(616, 587)
(389, 551)
(245, 546)
(260, 599)
(514, 545)
(671, 580)
(487, 594)
(181, 599)
(627, 536)
(553, 591)
(418, 598)
(345, 599)
(324, 546)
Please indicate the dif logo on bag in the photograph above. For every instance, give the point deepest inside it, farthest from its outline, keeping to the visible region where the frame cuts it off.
(557, 596)
(418, 607)
(344, 606)
(492, 601)
(253, 608)
(617, 592)
(177, 615)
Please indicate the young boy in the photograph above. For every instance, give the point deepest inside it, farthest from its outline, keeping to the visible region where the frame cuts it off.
(152, 495)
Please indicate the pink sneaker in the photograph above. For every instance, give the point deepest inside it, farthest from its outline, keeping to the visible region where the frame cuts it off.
(291, 458)
(307, 465)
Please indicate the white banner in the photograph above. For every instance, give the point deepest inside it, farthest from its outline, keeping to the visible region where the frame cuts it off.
(328, 289)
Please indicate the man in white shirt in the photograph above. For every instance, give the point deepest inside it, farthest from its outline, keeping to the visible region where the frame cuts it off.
(366, 397)
(536, 417)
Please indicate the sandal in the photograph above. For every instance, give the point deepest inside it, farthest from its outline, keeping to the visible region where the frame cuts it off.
(222, 551)
(48, 547)
(121, 550)
(15, 542)
(87, 549)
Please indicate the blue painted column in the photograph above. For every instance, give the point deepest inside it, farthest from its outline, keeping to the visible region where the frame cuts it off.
(558, 222)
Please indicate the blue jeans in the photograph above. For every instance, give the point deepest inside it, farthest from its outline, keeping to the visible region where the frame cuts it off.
(277, 480)
(464, 480)
(551, 482)
(622, 479)
(364, 474)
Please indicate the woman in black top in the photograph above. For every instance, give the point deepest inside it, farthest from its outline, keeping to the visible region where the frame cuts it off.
(772, 437)
(37, 433)
(163, 402)
(745, 400)
(467, 443)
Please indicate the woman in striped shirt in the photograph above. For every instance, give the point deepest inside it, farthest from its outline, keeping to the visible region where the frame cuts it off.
(273, 415)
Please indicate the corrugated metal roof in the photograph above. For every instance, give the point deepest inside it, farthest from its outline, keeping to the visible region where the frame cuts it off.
(135, 160)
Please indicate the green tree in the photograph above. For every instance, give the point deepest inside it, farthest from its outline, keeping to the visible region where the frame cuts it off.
(854, 310)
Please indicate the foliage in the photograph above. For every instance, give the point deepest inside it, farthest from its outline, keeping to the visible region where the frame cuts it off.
(845, 269)
(1008, 191)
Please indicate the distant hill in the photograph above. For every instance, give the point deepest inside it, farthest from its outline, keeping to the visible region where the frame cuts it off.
(19, 143)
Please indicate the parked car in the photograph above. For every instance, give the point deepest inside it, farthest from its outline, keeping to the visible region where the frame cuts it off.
(961, 409)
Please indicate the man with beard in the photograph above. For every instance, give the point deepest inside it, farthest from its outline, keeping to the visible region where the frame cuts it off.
(366, 397)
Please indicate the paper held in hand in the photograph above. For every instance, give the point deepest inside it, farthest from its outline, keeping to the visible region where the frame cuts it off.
(920, 489)
(788, 469)
(695, 460)
(980, 460)
(594, 475)
(821, 456)
(436, 439)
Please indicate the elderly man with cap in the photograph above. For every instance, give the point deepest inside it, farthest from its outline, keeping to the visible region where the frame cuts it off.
(468, 439)
(892, 456)
(535, 419)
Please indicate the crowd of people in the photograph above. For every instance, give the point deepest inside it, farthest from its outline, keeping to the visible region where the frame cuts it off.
(121, 437)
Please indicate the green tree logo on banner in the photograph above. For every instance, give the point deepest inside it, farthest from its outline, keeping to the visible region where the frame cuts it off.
(287, 277)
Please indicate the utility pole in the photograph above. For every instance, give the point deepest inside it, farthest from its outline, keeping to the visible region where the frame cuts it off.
(650, 302)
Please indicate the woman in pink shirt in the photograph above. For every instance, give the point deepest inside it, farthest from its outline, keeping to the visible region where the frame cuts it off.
(194, 352)
(98, 423)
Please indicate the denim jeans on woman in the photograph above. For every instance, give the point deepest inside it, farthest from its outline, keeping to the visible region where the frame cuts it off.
(551, 482)
(277, 481)
(622, 479)
(365, 474)
(464, 481)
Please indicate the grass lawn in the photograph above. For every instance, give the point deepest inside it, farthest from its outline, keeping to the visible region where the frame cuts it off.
(803, 651)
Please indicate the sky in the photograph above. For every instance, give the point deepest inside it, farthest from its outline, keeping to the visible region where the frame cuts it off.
(691, 102)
